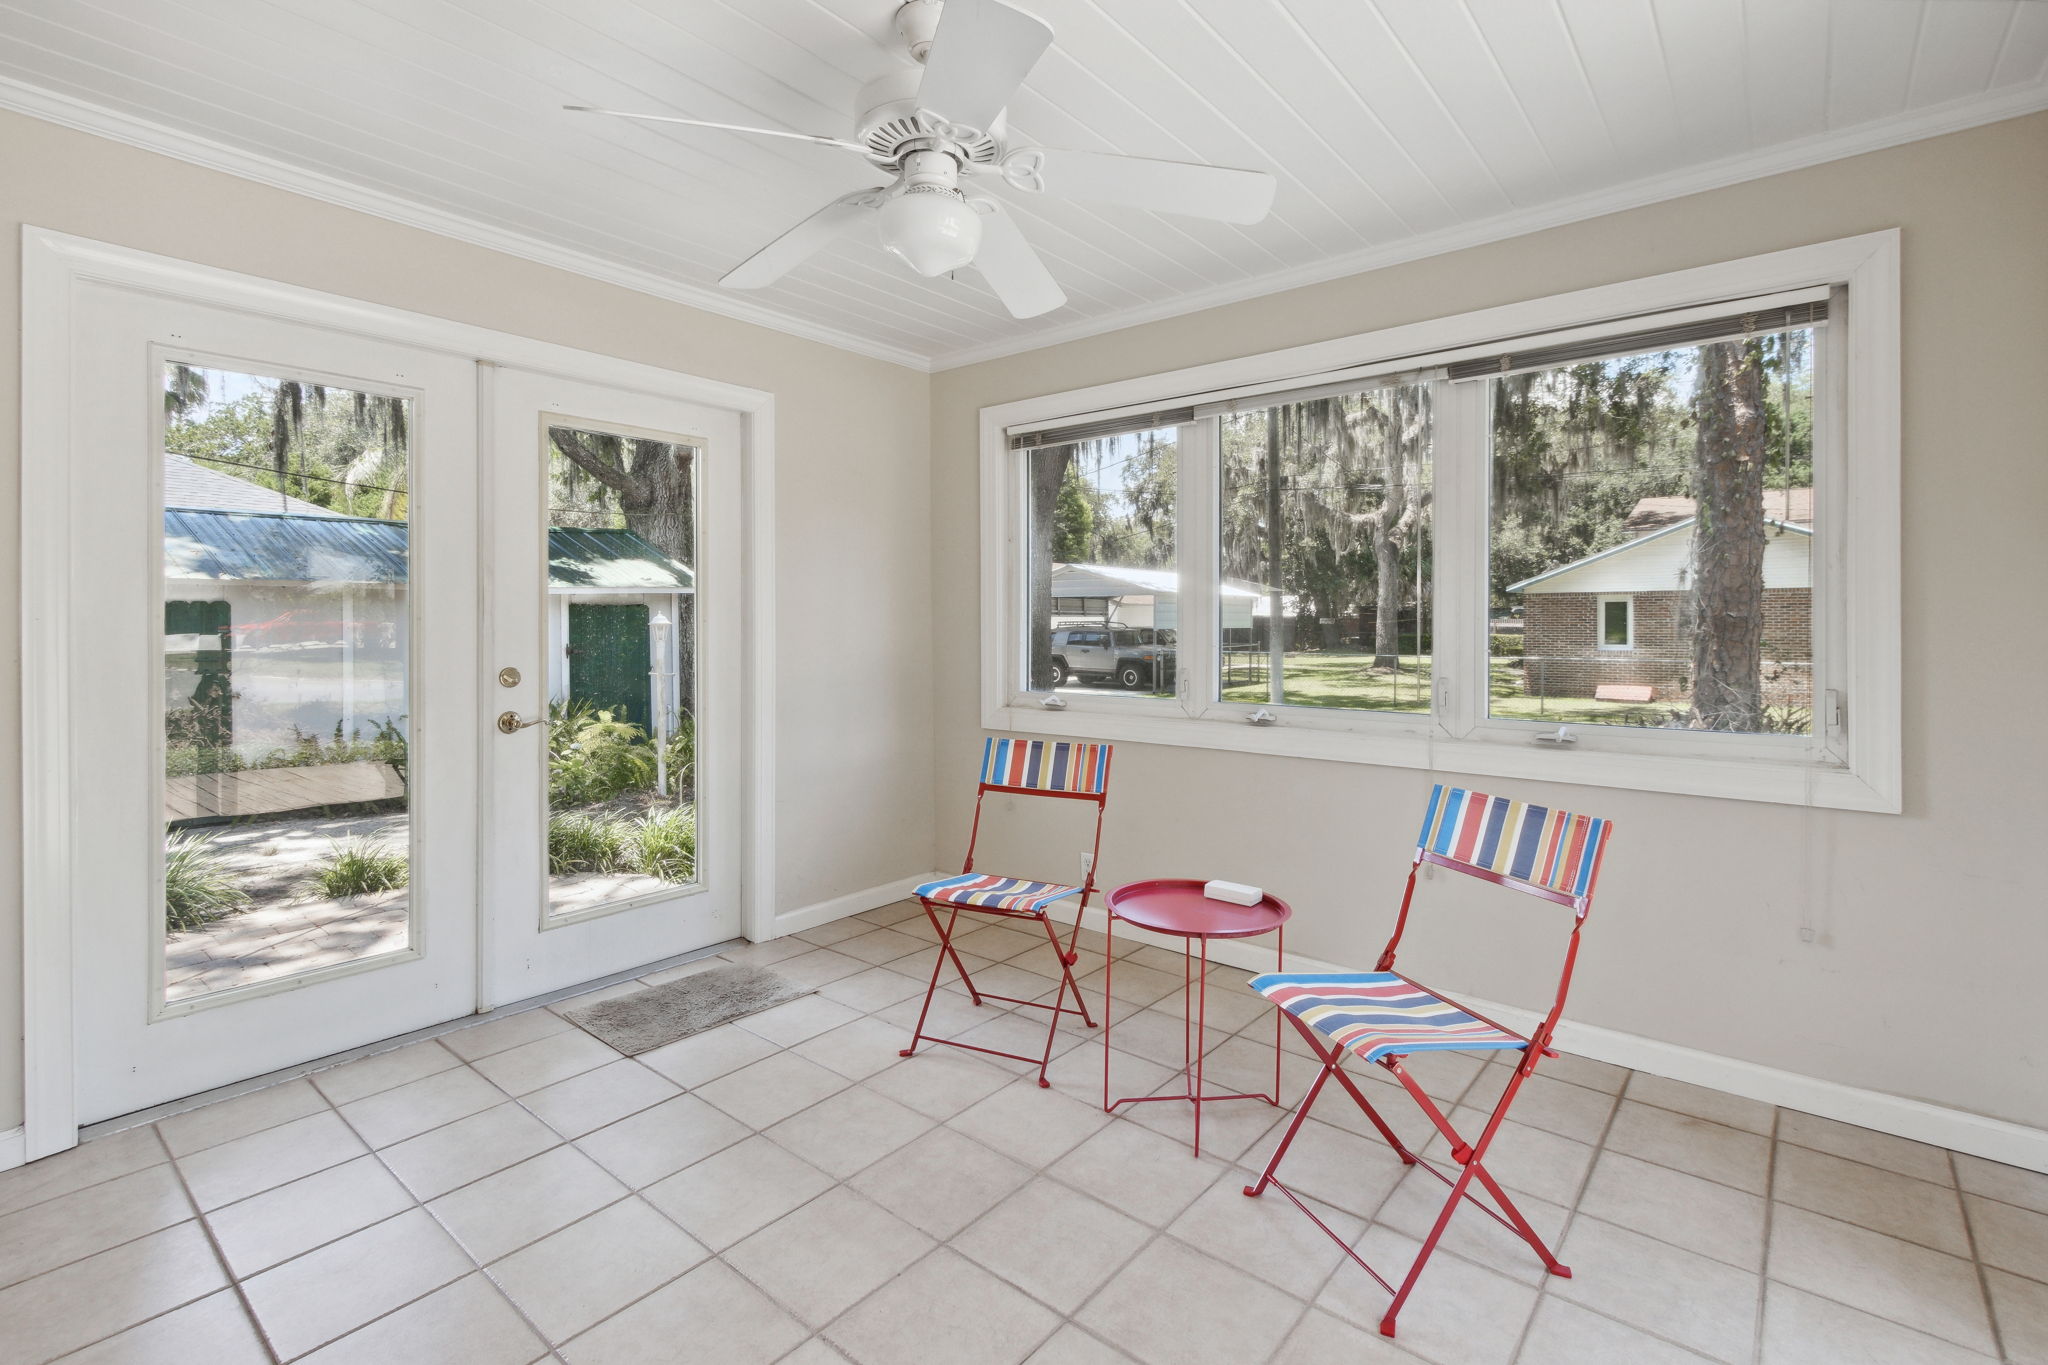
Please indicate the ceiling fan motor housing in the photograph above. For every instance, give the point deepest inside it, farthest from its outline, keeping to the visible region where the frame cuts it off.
(890, 126)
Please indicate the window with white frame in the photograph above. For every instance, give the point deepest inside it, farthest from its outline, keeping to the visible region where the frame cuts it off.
(1605, 537)
(1104, 599)
(1617, 625)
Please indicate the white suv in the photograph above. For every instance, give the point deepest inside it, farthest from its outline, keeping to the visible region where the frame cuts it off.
(1131, 657)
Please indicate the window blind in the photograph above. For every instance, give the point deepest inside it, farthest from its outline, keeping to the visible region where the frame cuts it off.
(1101, 428)
(1695, 332)
(1280, 398)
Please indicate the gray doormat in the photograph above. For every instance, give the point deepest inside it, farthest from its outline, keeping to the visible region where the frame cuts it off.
(659, 1015)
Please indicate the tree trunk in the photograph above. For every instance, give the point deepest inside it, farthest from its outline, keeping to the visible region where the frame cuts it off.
(1386, 542)
(1048, 474)
(1728, 539)
(656, 493)
(661, 508)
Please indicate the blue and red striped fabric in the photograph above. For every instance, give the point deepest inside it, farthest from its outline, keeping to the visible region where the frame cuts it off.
(1046, 765)
(1553, 849)
(995, 893)
(1378, 1014)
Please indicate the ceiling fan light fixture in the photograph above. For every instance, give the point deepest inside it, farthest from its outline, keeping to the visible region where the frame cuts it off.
(932, 228)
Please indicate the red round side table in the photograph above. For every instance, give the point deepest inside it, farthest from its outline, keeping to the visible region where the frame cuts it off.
(1176, 905)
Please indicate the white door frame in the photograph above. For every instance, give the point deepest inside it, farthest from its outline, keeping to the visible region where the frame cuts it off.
(53, 264)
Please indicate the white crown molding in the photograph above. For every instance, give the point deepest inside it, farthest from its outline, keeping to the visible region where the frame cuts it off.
(1953, 116)
(1950, 117)
(70, 112)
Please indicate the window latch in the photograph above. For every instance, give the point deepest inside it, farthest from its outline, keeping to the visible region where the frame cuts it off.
(1562, 735)
(1053, 701)
(1262, 717)
(1837, 709)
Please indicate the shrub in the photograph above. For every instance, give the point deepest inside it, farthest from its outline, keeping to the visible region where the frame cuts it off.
(1507, 644)
(386, 744)
(682, 755)
(587, 843)
(593, 756)
(665, 845)
(357, 867)
(197, 888)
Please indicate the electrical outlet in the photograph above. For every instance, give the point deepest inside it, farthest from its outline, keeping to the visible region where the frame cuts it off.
(1087, 866)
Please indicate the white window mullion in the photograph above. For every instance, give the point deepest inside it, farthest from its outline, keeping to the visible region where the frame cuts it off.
(1832, 588)
(1459, 523)
(1195, 533)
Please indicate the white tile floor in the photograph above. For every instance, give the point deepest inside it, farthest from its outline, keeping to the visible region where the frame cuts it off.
(787, 1189)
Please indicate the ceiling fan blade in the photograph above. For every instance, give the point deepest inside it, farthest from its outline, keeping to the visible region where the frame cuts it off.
(780, 256)
(1011, 267)
(818, 138)
(981, 53)
(1184, 187)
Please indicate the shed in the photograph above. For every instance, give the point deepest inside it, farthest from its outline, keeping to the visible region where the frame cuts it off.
(1144, 597)
(297, 612)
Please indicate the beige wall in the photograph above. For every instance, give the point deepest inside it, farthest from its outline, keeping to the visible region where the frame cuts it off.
(853, 576)
(1928, 960)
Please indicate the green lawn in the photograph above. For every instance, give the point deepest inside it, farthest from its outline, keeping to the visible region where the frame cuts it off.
(1349, 681)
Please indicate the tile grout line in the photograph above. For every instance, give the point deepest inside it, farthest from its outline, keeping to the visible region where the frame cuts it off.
(1078, 1039)
(1763, 1278)
(236, 1282)
(1342, 1262)
(1574, 1213)
(220, 1255)
(383, 1046)
(1977, 1260)
(836, 1182)
(419, 1205)
(1571, 1213)
(198, 1219)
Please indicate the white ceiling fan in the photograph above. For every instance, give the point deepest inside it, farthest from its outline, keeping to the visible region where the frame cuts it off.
(932, 129)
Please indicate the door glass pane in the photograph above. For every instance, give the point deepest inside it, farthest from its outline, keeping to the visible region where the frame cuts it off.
(1325, 552)
(1105, 597)
(622, 683)
(1652, 539)
(285, 692)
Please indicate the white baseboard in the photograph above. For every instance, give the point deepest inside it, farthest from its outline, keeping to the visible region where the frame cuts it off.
(13, 1148)
(852, 903)
(1994, 1139)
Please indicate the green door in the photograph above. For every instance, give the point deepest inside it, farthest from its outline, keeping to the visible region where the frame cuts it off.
(207, 722)
(608, 660)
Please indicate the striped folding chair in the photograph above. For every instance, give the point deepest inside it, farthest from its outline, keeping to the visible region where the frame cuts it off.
(1019, 767)
(1381, 1016)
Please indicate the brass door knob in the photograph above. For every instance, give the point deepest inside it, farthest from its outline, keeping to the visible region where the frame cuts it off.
(510, 724)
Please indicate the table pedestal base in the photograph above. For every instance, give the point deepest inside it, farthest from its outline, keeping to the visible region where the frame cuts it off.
(1194, 1025)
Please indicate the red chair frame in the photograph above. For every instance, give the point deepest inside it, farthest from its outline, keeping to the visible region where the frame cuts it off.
(1068, 954)
(1469, 1156)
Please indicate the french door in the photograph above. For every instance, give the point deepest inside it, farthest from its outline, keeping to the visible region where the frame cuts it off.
(309, 570)
(270, 732)
(611, 771)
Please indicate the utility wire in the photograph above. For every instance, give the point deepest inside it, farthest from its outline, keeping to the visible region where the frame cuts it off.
(289, 474)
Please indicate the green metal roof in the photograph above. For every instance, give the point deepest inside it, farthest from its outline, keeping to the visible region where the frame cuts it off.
(612, 561)
(207, 544)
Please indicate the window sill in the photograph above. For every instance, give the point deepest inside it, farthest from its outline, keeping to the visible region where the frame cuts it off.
(1744, 777)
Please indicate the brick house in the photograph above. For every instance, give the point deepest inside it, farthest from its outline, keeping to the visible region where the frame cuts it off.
(1618, 618)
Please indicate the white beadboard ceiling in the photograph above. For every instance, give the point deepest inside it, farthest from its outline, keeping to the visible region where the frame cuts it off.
(1396, 127)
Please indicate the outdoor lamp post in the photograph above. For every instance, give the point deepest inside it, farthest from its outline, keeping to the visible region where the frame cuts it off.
(658, 676)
